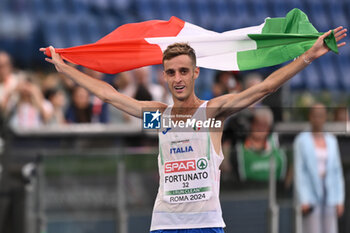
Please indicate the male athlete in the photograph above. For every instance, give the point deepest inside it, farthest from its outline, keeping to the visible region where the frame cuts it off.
(188, 196)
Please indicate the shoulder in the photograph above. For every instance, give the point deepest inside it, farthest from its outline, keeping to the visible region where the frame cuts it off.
(301, 137)
(331, 137)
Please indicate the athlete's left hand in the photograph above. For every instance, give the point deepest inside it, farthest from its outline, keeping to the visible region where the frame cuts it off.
(320, 48)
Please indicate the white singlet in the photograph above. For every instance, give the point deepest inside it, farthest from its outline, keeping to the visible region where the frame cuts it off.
(188, 194)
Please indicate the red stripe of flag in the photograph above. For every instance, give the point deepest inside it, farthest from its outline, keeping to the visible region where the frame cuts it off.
(125, 48)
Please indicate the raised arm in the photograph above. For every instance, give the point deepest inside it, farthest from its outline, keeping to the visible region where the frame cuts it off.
(101, 89)
(228, 104)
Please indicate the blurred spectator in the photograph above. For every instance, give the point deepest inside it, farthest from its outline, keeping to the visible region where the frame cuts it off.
(51, 81)
(341, 114)
(137, 84)
(165, 95)
(226, 82)
(30, 109)
(99, 108)
(142, 92)
(318, 175)
(8, 79)
(237, 126)
(141, 86)
(273, 100)
(250, 80)
(80, 108)
(251, 158)
(58, 101)
(12, 193)
(144, 88)
(120, 83)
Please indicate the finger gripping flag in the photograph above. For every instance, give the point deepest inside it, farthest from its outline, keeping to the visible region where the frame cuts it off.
(134, 45)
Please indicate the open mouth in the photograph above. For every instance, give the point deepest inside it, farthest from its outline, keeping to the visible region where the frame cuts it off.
(179, 87)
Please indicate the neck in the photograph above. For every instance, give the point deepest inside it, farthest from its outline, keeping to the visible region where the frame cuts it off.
(317, 134)
(255, 142)
(317, 130)
(190, 102)
(258, 139)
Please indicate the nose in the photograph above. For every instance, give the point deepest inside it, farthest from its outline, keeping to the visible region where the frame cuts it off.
(178, 77)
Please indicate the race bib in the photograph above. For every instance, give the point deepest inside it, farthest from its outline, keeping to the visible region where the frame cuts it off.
(187, 181)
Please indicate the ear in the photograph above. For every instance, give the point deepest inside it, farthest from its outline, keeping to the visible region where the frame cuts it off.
(196, 72)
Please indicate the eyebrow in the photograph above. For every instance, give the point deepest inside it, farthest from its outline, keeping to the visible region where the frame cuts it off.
(180, 68)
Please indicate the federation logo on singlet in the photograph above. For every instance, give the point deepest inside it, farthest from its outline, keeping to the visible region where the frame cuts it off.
(151, 120)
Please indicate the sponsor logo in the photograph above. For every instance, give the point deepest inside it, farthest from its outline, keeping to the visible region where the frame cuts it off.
(202, 164)
(166, 130)
(180, 166)
(177, 150)
(151, 120)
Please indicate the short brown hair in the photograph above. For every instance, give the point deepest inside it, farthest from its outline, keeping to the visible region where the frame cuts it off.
(177, 49)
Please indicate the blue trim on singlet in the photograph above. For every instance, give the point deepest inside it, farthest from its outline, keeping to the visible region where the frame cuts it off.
(196, 230)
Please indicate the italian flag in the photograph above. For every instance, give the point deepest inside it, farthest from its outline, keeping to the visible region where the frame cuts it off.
(134, 45)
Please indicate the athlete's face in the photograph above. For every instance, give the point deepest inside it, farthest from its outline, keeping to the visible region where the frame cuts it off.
(180, 74)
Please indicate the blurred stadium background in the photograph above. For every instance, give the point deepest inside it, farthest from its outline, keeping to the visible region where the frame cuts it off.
(86, 178)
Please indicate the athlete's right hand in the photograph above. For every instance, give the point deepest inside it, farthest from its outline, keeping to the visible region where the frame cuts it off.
(55, 59)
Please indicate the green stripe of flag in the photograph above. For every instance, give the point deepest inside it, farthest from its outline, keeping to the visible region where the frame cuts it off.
(281, 40)
(295, 21)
